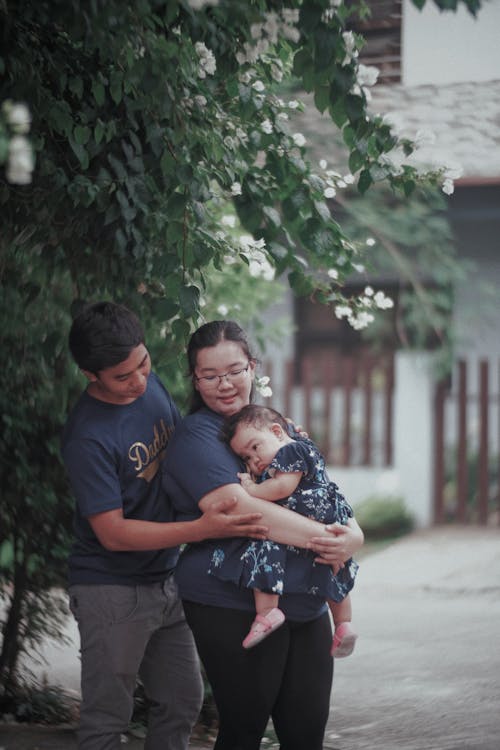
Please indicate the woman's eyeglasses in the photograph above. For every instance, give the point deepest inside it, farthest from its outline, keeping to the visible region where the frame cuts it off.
(235, 377)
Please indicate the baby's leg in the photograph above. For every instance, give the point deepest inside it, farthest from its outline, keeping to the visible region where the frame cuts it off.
(341, 611)
(264, 601)
(268, 618)
(344, 636)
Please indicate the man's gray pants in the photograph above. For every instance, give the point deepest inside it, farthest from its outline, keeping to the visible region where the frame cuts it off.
(130, 631)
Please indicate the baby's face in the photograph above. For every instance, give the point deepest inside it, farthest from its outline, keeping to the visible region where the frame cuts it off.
(257, 447)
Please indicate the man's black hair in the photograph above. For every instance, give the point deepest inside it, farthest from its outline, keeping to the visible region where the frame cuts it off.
(103, 334)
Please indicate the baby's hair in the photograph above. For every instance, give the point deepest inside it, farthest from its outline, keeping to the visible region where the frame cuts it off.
(253, 415)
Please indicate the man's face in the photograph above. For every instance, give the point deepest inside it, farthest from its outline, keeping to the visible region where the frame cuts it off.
(123, 383)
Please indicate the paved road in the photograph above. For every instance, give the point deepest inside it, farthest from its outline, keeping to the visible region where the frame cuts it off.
(425, 674)
(426, 670)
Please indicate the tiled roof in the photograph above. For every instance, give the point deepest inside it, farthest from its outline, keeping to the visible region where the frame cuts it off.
(463, 117)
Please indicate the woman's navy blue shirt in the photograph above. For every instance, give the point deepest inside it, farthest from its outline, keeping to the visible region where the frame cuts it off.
(196, 463)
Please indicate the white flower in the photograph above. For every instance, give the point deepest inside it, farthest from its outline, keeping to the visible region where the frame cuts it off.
(350, 47)
(259, 266)
(17, 116)
(267, 126)
(223, 310)
(200, 100)
(323, 164)
(236, 188)
(276, 72)
(262, 386)
(330, 192)
(370, 241)
(362, 320)
(342, 311)
(200, 4)
(383, 302)
(207, 64)
(349, 179)
(258, 86)
(333, 273)
(20, 162)
(358, 267)
(448, 186)
(229, 220)
(293, 104)
(298, 139)
(290, 15)
(367, 75)
(368, 291)
(453, 171)
(394, 160)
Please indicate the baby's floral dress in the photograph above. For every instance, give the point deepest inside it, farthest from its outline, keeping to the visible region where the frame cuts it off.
(279, 568)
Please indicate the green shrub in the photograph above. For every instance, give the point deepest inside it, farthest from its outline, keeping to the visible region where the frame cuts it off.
(384, 517)
(39, 704)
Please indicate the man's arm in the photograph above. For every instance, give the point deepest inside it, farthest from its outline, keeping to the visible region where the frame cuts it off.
(335, 544)
(222, 519)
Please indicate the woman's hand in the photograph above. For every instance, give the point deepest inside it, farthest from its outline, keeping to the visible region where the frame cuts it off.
(338, 544)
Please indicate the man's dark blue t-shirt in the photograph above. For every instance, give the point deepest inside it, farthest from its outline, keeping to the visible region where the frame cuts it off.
(113, 453)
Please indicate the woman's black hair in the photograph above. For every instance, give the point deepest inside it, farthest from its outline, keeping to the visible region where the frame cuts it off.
(211, 334)
(103, 334)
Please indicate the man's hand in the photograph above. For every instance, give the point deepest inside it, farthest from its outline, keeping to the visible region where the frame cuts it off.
(220, 521)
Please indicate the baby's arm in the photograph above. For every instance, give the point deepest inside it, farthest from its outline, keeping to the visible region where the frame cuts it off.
(278, 487)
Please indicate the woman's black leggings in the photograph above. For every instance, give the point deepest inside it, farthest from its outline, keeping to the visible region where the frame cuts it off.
(288, 677)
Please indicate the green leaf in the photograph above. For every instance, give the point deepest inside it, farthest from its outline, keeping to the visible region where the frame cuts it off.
(273, 215)
(98, 93)
(300, 284)
(76, 86)
(322, 210)
(165, 308)
(356, 161)
(322, 97)
(80, 153)
(176, 205)
(115, 87)
(365, 180)
(302, 61)
(81, 134)
(99, 131)
(189, 297)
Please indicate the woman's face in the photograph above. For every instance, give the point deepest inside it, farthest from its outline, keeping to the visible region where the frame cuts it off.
(223, 376)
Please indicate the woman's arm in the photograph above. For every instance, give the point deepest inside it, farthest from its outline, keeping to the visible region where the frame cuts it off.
(286, 526)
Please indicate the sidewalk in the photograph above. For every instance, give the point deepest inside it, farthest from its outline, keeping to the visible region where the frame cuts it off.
(425, 674)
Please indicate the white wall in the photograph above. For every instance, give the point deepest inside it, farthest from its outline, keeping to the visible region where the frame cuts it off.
(447, 47)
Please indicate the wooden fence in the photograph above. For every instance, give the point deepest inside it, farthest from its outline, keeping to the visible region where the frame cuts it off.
(466, 444)
(344, 402)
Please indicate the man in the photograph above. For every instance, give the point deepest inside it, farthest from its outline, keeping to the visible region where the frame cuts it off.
(121, 587)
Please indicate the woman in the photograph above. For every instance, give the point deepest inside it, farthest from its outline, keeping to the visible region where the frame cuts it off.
(288, 677)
